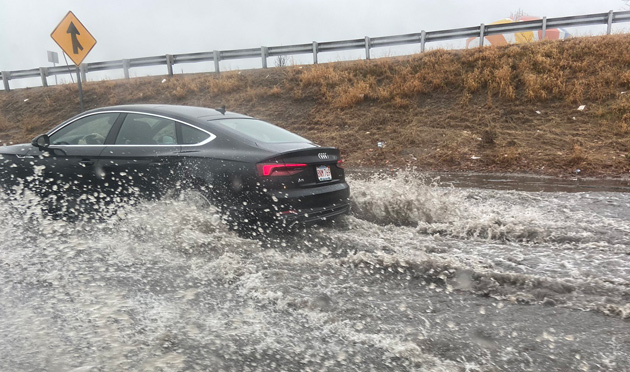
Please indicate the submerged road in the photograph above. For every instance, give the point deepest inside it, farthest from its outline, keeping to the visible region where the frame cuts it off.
(422, 276)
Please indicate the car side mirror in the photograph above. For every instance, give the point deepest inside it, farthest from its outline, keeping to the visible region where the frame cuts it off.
(41, 141)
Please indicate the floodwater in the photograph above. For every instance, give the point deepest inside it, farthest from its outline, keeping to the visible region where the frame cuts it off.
(423, 276)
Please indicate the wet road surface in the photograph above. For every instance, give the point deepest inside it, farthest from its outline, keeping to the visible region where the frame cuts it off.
(422, 276)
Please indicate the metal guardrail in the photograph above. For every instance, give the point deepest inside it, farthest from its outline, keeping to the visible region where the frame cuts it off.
(315, 47)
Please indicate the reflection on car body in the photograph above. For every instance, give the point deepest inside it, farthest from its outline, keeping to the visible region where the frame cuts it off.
(248, 167)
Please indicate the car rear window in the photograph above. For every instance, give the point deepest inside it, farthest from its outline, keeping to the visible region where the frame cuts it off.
(260, 131)
(191, 136)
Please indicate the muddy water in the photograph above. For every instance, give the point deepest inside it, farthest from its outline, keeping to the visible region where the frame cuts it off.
(421, 277)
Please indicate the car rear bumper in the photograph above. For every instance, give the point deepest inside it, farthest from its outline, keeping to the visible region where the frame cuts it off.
(307, 205)
(313, 215)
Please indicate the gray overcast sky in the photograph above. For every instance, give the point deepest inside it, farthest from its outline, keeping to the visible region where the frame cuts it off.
(138, 28)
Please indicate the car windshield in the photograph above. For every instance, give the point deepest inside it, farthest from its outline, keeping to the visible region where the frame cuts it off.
(260, 131)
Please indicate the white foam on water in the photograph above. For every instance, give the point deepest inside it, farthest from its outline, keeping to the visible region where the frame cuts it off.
(398, 285)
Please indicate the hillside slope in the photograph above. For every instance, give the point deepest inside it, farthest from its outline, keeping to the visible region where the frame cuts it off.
(503, 109)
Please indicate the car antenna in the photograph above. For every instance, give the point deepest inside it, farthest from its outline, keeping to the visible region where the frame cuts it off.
(221, 110)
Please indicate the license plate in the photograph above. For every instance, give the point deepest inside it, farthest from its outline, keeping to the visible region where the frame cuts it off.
(323, 173)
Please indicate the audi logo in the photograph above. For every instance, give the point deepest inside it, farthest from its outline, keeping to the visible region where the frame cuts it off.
(322, 155)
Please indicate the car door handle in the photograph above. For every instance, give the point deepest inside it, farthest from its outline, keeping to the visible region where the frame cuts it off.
(86, 162)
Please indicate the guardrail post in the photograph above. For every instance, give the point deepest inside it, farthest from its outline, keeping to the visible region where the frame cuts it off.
(367, 47)
(264, 53)
(169, 64)
(423, 40)
(482, 33)
(43, 74)
(544, 28)
(83, 69)
(610, 20)
(217, 59)
(126, 68)
(6, 76)
(314, 52)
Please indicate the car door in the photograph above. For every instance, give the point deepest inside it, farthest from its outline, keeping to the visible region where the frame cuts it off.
(143, 157)
(69, 164)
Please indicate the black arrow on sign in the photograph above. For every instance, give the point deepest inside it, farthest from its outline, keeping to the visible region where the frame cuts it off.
(72, 30)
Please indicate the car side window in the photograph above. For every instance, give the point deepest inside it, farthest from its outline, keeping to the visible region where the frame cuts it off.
(191, 136)
(140, 129)
(88, 130)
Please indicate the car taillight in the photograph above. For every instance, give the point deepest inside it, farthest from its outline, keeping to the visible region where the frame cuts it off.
(276, 169)
(340, 163)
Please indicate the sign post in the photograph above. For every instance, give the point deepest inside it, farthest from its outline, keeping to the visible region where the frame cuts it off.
(53, 58)
(76, 41)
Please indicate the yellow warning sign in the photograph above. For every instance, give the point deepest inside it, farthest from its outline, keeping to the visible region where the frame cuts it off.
(75, 40)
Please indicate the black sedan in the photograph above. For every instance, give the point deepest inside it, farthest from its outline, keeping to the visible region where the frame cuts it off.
(253, 170)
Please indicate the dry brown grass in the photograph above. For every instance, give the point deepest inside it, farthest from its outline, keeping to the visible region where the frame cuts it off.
(4, 123)
(489, 136)
(433, 110)
(227, 83)
(508, 157)
(574, 71)
(577, 156)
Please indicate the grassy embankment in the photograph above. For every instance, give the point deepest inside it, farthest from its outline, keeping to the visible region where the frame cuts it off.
(497, 109)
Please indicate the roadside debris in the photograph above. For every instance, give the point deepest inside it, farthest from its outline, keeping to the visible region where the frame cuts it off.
(539, 113)
(581, 108)
(475, 157)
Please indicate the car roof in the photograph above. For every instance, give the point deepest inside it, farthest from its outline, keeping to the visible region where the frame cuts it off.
(175, 111)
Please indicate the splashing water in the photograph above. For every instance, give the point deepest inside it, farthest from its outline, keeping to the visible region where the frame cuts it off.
(421, 276)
